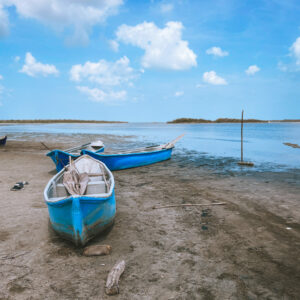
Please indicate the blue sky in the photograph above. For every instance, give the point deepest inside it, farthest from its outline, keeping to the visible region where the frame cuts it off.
(149, 60)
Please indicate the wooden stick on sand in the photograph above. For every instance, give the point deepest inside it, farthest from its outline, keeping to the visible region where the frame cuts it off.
(45, 146)
(112, 282)
(187, 204)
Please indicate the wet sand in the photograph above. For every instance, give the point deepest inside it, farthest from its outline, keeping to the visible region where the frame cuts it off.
(246, 249)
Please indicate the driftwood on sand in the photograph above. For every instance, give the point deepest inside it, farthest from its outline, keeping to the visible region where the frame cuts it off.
(187, 204)
(112, 282)
(246, 163)
(292, 145)
(95, 250)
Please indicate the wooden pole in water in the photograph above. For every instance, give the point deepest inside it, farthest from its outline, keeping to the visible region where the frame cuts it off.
(242, 162)
(242, 125)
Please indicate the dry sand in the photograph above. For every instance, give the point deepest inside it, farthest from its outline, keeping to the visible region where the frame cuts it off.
(247, 249)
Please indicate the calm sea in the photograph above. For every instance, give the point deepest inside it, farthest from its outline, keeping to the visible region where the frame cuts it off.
(206, 144)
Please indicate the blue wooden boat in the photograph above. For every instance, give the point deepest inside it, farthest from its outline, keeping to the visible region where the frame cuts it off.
(61, 157)
(118, 160)
(76, 217)
(3, 140)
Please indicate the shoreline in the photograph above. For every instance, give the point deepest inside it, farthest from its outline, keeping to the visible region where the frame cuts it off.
(177, 121)
(219, 164)
(247, 248)
(60, 121)
(237, 122)
(228, 120)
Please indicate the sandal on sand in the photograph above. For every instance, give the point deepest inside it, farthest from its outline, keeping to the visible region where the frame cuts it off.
(18, 186)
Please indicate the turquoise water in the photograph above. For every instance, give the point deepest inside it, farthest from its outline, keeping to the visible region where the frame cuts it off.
(203, 143)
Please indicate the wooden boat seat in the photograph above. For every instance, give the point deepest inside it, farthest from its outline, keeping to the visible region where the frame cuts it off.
(96, 187)
(61, 191)
(93, 187)
(96, 178)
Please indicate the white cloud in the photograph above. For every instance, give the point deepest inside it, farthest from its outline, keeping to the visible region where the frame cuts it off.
(179, 94)
(212, 78)
(17, 58)
(98, 95)
(80, 15)
(4, 23)
(34, 68)
(164, 48)
(1, 77)
(295, 50)
(114, 45)
(166, 7)
(216, 51)
(252, 70)
(103, 72)
(106, 75)
(292, 66)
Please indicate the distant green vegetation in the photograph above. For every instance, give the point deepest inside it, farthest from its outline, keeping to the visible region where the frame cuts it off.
(288, 120)
(189, 120)
(226, 120)
(58, 121)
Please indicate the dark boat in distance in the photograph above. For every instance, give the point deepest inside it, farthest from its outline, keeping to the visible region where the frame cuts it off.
(3, 140)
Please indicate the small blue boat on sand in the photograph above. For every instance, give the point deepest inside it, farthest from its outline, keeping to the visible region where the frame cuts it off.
(118, 160)
(61, 157)
(3, 140)
(81, 200)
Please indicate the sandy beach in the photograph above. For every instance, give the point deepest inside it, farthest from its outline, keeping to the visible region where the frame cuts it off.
(246, 249)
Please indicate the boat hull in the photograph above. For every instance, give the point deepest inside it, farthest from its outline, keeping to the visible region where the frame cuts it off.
(130, 160)
(79, 219)
(3, 141)
(61, 158)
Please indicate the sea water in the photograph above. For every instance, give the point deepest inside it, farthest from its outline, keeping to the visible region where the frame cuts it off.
(205, 144)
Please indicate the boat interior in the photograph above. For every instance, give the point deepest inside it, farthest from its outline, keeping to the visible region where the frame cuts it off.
(99, 180)
(166, 146)
(88, 146)
(136, 150)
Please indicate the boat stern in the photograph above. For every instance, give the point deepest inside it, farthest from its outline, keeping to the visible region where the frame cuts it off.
(78, 226)
(60, 158)
(79, 219)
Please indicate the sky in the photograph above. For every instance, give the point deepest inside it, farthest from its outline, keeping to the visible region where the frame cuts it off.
(149, 61)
